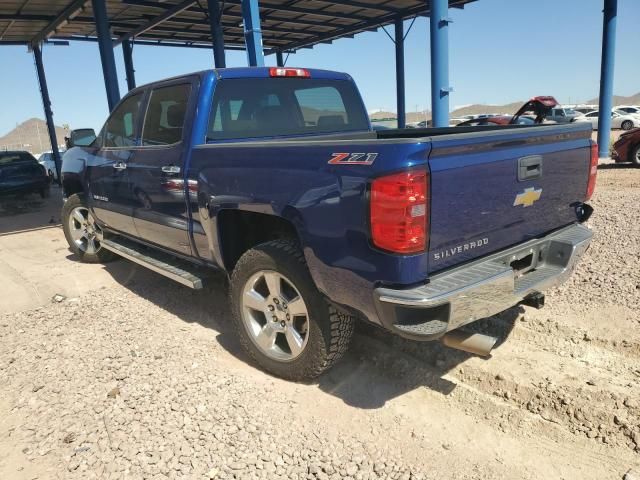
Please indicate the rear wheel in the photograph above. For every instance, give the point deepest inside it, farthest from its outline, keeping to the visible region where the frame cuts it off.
(83, 234)
(283, 322)
(635, 155)
(627, 125)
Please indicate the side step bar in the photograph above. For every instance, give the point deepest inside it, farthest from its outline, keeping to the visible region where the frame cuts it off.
(159, 262)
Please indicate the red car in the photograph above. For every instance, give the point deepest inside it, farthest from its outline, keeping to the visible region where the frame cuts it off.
(627, 148)
(535, 110)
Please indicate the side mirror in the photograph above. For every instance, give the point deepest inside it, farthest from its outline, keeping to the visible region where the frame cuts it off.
(81, 137)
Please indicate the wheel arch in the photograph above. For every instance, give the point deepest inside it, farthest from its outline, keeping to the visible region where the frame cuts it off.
(241, 230)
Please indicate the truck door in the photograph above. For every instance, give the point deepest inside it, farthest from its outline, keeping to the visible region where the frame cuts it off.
(110, 192)
(157, 171)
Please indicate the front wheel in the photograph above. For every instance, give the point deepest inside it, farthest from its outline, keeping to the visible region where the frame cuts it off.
(82, 232)
(283, 322)
(627, 125)
(635, 155)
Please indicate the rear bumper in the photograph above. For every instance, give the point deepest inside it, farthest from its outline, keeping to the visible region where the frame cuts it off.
(484, 287)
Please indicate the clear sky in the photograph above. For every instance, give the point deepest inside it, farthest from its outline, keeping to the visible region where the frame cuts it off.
(500, 51)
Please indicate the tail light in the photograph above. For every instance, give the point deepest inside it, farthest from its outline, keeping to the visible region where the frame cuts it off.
(289, 72)
(593, 170)
(399, 221)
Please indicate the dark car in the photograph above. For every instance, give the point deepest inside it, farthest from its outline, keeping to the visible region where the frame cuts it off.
(20, 173)
(497, 120)
(627, 148)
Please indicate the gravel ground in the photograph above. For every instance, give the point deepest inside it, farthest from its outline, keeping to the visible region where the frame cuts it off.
(144, 379)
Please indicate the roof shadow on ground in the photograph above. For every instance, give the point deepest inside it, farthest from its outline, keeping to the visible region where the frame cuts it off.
(379, 366)
(19, 213)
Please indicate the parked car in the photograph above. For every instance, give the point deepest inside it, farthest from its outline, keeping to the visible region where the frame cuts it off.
(629, 109)
(317, 219)
(625, 122)
(532, 112)
(20, 173)
(46, 160)
(627, 147)
(625, 113)
(562, 114)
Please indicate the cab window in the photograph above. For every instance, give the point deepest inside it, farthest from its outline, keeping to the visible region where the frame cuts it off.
(120, 129)
(164, 120)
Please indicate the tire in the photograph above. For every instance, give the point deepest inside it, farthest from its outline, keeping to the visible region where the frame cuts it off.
(323, 331)
(627, 125)
(84, 245)
(635, 155)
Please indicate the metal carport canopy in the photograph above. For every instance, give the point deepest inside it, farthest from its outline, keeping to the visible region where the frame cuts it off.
(286, 25)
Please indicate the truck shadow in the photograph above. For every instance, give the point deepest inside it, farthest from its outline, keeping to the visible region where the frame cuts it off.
(378, 367)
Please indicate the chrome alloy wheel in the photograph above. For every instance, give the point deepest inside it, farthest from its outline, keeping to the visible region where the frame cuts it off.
(83, 229)
(275, 315)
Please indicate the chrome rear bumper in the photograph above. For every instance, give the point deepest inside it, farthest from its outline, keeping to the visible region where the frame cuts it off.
(483, 287)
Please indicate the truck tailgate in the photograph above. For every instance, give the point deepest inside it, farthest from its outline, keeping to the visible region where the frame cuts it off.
(491, 190)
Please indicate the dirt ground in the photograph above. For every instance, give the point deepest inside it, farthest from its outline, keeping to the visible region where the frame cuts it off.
(128, 375)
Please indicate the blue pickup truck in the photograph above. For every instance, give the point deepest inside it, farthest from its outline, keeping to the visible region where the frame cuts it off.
(275, 176)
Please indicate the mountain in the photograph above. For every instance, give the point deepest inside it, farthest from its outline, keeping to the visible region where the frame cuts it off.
(619, 100)
(31, 135)
(476, 109)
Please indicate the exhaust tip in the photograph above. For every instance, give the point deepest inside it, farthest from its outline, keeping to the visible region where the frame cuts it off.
(475, 343)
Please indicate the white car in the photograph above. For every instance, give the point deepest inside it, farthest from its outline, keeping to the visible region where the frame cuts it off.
(625, 122)
(629, 109)
(46, 160)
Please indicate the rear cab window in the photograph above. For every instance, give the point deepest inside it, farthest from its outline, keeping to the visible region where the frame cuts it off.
(272, 107)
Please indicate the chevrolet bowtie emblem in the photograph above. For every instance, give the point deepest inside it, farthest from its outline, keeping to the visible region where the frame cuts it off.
(528, 197)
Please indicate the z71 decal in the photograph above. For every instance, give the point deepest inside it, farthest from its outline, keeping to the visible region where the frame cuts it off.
(353, 158)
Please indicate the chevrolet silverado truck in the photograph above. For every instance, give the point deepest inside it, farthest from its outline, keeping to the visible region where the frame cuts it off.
(275, 176)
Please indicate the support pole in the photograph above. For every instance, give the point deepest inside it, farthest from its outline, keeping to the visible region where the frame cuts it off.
(217, 35)
(279, 58)
(106, 52)
(252, 33)
(606, 75)
(127, 53)
(46, 103)
(440, 89)
(400, 92)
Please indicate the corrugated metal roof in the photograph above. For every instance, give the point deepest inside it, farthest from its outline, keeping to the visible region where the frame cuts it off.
(286, 24)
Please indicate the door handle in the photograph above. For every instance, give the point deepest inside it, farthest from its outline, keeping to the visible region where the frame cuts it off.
(120, 166)
(171, 169)
(529, 167)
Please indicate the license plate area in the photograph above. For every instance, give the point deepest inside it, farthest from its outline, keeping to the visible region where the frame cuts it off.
(525, 261)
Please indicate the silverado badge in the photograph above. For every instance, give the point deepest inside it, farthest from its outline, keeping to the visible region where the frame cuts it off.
(528, 197)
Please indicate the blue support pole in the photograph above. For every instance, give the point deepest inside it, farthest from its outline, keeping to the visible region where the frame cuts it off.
(279, 58)
(440, 89)
(217, 35)
(106, 52)
(606, 75)
(400, 92)
(252, 32)
(127, 53)
(48, 113)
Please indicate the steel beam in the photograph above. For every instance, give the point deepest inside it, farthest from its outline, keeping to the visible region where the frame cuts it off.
(46, 104)
(400, 92)
(127, 54)
(440, 89)
(279, 58)
(217, 34)
(252, 32)
(607, 62)
(106, 53)
(171, 12)
(60, 20)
